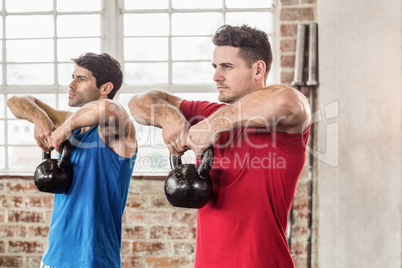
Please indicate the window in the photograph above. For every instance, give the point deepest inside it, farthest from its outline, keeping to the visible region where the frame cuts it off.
(162, 44)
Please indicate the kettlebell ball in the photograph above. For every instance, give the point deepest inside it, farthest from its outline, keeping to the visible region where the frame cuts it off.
(55, 176)
(190, 185)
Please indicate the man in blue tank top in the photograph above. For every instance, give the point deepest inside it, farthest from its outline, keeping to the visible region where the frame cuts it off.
(85, 230)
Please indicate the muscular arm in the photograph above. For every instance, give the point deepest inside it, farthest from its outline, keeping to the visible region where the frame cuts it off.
(115, 126)
(278, 107)
(44, 117)
(160, 109)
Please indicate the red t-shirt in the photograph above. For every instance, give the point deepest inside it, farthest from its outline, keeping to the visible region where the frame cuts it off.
(255, 174)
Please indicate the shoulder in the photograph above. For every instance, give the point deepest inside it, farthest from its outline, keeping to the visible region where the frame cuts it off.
(294, 106)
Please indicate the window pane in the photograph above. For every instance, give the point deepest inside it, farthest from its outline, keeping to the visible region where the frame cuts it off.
(2, 157)
(146, 49)
(149, 136)
(194, 4)
(192, 72)
(33, 26)
(154, 4)
(28, 5)
(30, 74)
(20, 132)
(146, 24)
(142, 133)
(2, 140)
(30, 50)
(63, 104)
(79, 5)
(249, 3)
(153, 73)
(72, 48)
(263, 21)
(196, 23)
(192, 48)
(65, 71)
(2, 103)
(78, 25)
(24, 158)
(152, 161)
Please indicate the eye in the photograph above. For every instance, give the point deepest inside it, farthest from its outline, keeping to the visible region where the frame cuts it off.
(227, 66)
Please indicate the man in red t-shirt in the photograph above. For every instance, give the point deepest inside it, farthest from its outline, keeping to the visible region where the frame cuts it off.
(259, 137)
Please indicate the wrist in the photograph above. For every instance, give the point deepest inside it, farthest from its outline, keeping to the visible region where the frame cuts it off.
(220, 122)
(68, 129)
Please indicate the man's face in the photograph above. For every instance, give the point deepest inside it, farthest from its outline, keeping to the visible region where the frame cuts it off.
(83, 88)
(234, 79)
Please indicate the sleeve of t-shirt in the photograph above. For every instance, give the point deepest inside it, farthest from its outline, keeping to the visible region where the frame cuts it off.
(292, 143)
(196, 111)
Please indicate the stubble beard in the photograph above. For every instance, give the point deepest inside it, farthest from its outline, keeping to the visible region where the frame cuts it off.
(229, 99)
(81, 100)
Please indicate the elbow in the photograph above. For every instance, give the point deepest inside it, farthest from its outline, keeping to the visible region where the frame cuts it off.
(11, 101)
(135, 108)
(133, 104)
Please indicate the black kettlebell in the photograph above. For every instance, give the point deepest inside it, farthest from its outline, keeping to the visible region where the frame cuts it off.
(55, 176)
(190, 185)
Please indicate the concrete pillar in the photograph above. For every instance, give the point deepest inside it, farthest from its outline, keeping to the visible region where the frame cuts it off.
(358, 158)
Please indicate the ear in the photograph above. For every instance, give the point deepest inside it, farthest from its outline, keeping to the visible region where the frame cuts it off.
(260, 70)
(106, 88)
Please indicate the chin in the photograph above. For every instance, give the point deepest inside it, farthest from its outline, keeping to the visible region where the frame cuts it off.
(226, 99)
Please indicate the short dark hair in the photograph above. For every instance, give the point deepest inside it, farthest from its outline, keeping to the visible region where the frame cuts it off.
(253, 43)
(104, 68)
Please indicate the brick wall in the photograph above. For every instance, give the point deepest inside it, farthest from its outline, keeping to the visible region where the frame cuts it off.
(154, 233)
(292, 13)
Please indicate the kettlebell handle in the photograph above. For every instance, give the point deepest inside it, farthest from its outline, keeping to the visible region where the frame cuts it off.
(207, 160)
(174, 161)
(65, 154)
(45, 155)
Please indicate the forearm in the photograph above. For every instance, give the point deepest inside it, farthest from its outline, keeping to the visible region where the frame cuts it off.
(278, 107)
(153, 108)
(26, 108)
(115, 127)
(161, 109)
(91, 114)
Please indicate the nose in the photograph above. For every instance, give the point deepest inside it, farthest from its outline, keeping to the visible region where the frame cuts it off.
(72, 84)
(218, 77)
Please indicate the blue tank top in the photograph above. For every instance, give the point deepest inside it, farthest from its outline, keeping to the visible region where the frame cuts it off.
(85, 230)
